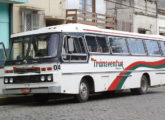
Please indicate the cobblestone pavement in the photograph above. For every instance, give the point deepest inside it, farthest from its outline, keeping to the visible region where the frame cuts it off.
(120, 106)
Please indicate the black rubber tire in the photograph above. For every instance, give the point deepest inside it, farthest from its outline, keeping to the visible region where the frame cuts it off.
(83, 92)
(143, 87)
(41, 98)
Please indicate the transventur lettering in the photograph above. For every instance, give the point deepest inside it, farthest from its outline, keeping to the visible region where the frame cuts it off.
(115, 63)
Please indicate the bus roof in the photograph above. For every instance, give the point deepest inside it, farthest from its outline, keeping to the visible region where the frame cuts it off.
(75, 27)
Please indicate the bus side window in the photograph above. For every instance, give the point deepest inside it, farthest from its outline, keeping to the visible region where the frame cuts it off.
(73, 49)
(152, 47)
(118, 45)
(136, 46)
(162, 46)
(102, 43)
(92, 44)
(89, 48)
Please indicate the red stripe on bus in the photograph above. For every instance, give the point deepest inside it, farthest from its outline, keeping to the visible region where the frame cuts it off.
(115, 83)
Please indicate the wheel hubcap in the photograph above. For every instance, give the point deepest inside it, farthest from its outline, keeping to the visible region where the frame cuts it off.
(144, 85)
(83, 90)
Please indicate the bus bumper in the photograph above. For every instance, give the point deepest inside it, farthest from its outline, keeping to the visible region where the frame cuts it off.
(17, 91)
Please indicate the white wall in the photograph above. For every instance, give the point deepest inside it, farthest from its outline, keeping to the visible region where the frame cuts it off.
(101, 6)
(73, 4)
(145, 16)
(146, 22)
(49, 9)
(145, 7)
(161, 24)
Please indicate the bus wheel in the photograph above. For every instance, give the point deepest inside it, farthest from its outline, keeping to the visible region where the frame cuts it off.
(83, 92)
(143, 87)
(41, 98)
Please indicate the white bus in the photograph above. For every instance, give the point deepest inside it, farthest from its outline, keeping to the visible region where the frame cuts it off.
(80, 59)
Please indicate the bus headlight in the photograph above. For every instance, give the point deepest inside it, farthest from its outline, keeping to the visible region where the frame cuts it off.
(49, 78)
(11, 80)
(6, 80)
(42, 78)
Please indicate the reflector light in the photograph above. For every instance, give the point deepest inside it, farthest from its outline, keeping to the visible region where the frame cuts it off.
(49, 68)
(43, 69)
(9, 71)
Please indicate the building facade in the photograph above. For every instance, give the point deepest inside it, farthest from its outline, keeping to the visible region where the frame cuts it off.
(41, 13)
(161, 17)
(38, 13)
(134, 15)
(6, 26)
(145, 16)
(91, 12)
(123, 12)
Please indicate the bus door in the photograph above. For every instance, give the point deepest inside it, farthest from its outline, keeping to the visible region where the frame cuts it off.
(2, 62)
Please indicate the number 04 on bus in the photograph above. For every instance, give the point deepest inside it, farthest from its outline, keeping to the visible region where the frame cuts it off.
(80, 60)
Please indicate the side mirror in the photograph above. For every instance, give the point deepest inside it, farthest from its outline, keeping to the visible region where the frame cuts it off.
(70, 45)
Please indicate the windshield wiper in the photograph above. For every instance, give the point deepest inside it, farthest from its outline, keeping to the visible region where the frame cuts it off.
(47, 56)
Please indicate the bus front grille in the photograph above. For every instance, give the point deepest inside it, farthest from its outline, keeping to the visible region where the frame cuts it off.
(28, 79)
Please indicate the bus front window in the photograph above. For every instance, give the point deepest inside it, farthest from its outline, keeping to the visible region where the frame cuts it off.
(20, 48)
(43, 46)
(36, 46)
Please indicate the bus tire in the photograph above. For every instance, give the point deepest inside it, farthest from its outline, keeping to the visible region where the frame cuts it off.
(41, 98)
(143, 87)
(83, 92)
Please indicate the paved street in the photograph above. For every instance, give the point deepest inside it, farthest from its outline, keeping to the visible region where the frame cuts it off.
(120, 106)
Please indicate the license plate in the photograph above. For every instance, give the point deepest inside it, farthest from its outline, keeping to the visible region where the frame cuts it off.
(25, 90)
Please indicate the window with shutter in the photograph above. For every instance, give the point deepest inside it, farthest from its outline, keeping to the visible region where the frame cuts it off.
(30, 20)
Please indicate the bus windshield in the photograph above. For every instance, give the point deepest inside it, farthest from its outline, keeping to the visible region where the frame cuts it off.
(34, 47)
